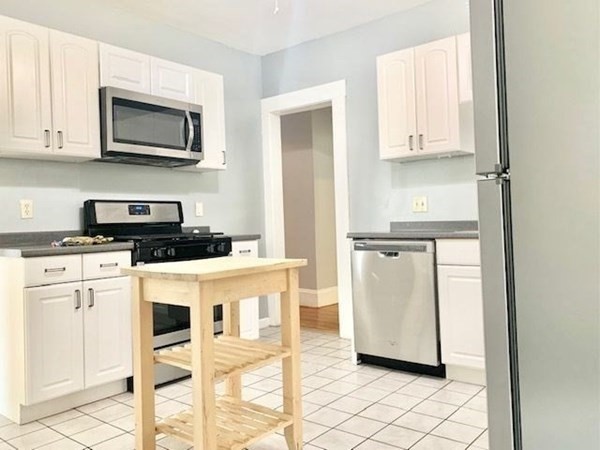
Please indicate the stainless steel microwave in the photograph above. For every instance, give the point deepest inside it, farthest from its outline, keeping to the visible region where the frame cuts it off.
(149, 130)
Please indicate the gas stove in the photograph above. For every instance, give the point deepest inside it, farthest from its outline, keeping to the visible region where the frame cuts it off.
(155, 228)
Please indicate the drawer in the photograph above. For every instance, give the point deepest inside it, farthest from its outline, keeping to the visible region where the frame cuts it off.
(52, 270)
(105, 265)
(458, 252)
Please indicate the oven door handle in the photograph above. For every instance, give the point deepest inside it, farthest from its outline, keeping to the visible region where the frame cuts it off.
(190, 140)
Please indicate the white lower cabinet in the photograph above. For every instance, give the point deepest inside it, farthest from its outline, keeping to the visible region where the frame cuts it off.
(461, 309)
(107, 330)
(54, 341)
(461, 316)
(77, 334)
(249, 327)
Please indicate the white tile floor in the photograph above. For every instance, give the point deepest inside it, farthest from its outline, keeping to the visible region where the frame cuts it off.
(345, 407)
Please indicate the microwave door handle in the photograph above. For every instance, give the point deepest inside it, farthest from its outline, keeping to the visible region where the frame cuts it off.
(190, 140)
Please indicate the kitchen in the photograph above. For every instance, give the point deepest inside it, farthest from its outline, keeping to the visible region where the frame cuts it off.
(379, 192)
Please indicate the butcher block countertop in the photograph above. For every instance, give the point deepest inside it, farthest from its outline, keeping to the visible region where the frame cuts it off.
(212, 269)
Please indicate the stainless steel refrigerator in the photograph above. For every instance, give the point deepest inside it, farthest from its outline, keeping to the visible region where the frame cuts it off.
(537, 99)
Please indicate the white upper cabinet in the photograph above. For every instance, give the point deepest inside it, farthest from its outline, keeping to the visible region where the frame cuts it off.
(418, 95)
(172, 80)
(396, 101)
(48, 93)
(210, 94)
(465, 75)
(75, 99)
(124, 69)
(437, 96)
(25, 105)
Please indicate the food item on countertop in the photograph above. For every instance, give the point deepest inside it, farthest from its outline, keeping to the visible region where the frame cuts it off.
(82, 240)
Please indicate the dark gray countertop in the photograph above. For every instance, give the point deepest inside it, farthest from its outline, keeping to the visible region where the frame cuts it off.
(423, 230)
(30, 251)
(244, 237)
(28, 245)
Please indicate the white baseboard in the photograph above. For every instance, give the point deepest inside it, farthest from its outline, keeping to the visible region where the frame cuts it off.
(61, 404)
(465, 374)
(264, 322)
(317, 298)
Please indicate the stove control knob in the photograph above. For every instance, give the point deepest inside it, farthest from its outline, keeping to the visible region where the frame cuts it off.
(159, 252)
(171, 251)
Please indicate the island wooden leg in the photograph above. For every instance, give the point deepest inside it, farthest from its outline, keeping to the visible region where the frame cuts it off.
(143, 368)
(203, 369)
(290, 337)
(231, 327)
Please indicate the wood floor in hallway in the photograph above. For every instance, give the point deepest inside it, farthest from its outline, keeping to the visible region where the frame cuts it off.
(324, 319)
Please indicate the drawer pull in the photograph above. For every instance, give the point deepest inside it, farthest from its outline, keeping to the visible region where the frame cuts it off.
(105, 265)
(55, 270)
(245, 251)
(77, 299)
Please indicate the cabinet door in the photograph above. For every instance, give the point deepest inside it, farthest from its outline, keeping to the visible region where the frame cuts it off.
(25, 108)
(210, 94)
(465, 76)
(54, 341)
(461, 316)
(396, 103)
(124, 69)
(249, 327)
(172, 80)
(108, 352)
(75, 99)
(437, 96)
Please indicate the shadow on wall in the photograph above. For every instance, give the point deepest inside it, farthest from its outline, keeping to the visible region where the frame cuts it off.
(97, 177)
(433, 172)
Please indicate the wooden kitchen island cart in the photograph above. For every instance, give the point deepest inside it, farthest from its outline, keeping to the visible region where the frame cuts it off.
(227, 422)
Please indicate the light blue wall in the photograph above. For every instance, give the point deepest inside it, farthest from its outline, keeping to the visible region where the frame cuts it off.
(381, 192)
(232, 199)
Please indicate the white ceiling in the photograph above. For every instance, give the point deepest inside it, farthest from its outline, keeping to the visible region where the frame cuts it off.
(251, 26)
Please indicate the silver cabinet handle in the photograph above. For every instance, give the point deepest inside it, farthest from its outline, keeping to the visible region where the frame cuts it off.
(245, 251)
(92, 298)
(411, 140)
(77, 299)
(421, 141)
(60, 139)
(224, 157)
(55, 270)
(105, 265)
(46, 138)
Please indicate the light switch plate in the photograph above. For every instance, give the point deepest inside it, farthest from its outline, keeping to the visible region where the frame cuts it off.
(199, 209)
(419, 204)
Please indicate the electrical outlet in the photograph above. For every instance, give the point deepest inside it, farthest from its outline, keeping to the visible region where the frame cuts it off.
(199, 209)
(26, 209)
(419, 204)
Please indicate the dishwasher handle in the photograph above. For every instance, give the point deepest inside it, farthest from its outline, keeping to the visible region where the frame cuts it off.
(389, 249)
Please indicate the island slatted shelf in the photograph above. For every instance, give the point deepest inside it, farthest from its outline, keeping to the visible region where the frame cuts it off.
(227, 423)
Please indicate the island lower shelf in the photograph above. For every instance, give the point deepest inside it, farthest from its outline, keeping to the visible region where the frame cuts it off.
(239, 424)
(233, 355)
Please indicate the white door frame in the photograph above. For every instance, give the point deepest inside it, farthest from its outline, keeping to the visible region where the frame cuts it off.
(334, 95)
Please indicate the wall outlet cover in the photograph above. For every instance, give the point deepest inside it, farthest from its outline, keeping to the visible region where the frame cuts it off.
(199, 209)
(419, 204)
(26, 209)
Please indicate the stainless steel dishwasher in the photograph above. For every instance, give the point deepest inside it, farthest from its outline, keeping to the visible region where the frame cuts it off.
(395, 307)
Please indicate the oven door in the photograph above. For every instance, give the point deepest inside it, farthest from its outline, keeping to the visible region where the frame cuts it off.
(135, 124)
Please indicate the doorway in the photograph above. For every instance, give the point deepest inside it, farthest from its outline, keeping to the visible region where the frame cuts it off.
(309, 213)
(333, 96)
